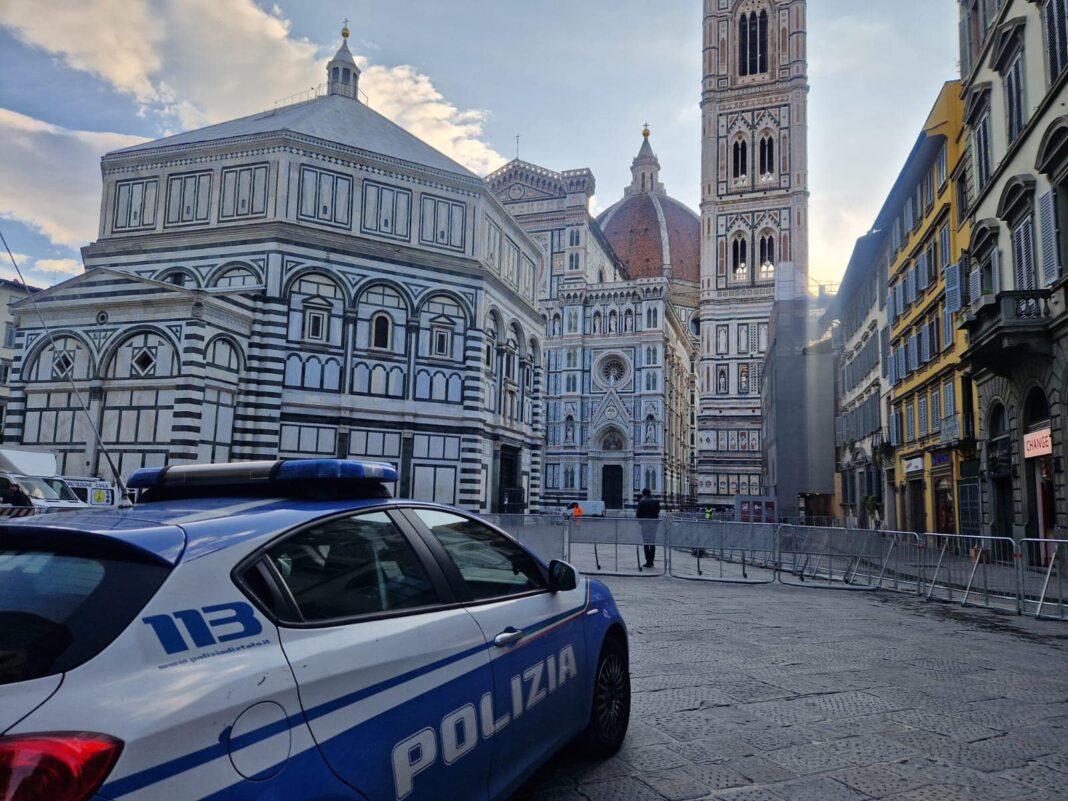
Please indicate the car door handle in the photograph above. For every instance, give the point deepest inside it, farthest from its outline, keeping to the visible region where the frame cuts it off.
(507, 637)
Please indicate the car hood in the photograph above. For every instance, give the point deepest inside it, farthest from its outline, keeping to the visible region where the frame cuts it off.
(21, 698)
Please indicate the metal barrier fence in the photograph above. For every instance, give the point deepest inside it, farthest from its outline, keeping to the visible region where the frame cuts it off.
(735, 553)
(1026, 577)
(977, 571)
(615, 546)
(1043, 583)
(545, 535)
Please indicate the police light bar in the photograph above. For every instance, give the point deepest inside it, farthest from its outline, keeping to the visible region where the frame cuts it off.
(238, 473)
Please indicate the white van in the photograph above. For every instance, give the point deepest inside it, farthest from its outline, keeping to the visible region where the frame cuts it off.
(93, 491)
(28, 482)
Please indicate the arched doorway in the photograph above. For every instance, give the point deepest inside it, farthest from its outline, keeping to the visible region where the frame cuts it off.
(1038, 458)
(612, 474)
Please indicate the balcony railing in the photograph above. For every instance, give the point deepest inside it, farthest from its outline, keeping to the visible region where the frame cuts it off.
(1001, 328)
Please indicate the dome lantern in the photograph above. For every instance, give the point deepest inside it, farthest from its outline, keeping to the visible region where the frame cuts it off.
(342, 74)
(645, 169)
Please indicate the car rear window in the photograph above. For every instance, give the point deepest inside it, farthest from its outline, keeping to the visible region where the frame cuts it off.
(60, 607)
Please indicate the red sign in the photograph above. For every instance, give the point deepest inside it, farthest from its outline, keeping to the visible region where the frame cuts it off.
(1038, 443)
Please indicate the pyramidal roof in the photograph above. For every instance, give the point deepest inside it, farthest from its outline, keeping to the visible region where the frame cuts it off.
(330, 118)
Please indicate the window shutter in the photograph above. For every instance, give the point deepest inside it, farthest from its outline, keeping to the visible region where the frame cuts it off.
(890, 314)
(975, 284)
(995, 271)
(1047, 220)
(921, 270)
(911, 283)
(953, 298)
(965, 47)
(925, 345)
(936, 411)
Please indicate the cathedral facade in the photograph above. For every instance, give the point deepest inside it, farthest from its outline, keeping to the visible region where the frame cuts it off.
(618, 294)
(312, 281)
(754, 220)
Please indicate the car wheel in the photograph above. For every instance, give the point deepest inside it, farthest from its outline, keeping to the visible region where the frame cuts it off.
(610, 712)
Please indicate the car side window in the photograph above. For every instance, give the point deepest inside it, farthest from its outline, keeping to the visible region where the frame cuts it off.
(360, 565)
(492, 565)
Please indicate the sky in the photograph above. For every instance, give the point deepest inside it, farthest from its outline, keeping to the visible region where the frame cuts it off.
(574, 79)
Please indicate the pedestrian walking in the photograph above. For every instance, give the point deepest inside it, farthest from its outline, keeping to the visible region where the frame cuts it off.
(648, 512)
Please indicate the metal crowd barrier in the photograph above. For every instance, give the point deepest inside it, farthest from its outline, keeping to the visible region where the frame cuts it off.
(615, 546)
(545, 535)
(1027, 577)
(733, 553)
(1043, 583)
(976, 571)
(817, 556)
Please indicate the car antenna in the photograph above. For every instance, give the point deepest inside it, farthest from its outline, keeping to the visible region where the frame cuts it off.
(123, 498)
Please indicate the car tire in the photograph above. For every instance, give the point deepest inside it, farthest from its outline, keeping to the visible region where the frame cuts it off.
(610, 708)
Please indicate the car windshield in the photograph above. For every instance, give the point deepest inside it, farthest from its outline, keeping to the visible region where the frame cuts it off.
(59, 608)
(46, 489)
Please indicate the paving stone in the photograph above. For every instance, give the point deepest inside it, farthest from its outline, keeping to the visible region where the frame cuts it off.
(716, 776)
(1041, 777)
(877, 781)
(850, 704)
(760, 770)
(927, 770)
(785, 713)
(684, 725)
(870, 749)
(749, 794)
(617, 789)
(822, 789)
(653, 759)
(772, 739)
(713, 749)
(810, 758)
(677, 786)
(943, 724)
(934, 792)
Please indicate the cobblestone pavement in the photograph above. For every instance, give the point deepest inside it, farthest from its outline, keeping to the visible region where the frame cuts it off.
(770, 693)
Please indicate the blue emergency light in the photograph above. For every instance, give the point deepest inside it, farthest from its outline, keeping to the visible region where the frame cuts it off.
(265, 472)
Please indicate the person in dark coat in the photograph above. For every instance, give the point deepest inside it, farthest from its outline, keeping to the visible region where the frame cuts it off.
(648, 512)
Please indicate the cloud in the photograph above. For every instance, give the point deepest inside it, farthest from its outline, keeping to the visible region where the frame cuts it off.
(50, 176)
(39, 272)
(191, 63)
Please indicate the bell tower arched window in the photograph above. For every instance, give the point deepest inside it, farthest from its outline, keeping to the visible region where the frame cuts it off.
(767, 256)
(740, 258)
(740, 159)
(753, 43)
(767, 156)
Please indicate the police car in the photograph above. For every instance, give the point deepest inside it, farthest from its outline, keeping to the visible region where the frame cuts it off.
(286, 630)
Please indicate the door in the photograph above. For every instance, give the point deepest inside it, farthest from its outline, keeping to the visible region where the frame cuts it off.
(389, 680)
(612, 486)
(917, 506)
(538, 648)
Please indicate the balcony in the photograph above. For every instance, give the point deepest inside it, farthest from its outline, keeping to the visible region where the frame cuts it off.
(956, 428)
(1011, 326)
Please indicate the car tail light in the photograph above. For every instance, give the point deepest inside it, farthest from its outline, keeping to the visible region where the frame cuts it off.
(58, 766)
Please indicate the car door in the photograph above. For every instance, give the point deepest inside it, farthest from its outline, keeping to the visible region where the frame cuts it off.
(537, 645)
(389, 674)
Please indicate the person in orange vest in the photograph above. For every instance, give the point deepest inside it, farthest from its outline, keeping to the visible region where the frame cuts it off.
(574, 509)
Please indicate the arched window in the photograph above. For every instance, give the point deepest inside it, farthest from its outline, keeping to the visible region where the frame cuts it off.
(651, 318)
(767, 256)
(753, 43)
(740, 258)
(740, 160)
(178, 278)
(381, 331)
(651, 382)
(767, 156)
(237, 277)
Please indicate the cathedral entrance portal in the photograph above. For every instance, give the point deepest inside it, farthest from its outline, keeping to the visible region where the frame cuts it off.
(612, 486)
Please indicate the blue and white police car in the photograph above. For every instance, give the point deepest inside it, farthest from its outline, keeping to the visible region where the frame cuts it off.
(286, 630)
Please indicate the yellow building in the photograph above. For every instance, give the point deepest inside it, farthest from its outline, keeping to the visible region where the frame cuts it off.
(932, 403)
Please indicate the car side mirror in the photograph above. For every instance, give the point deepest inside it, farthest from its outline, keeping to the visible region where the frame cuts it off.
(562, 576)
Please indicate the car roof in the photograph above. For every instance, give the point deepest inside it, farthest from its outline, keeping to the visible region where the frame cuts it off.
(182, 530)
